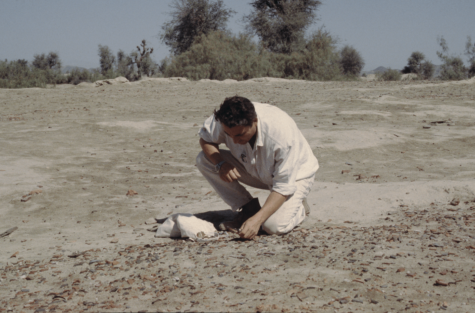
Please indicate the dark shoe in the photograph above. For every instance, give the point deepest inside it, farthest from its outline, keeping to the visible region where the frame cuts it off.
(306, 206)
(248, 210)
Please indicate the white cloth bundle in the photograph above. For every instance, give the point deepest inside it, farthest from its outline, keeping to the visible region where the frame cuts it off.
(185, 225)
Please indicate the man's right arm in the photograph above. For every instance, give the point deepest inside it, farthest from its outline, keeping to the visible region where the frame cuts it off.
(227, 172)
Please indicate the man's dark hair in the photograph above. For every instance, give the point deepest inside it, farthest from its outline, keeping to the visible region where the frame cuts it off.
(236, 111)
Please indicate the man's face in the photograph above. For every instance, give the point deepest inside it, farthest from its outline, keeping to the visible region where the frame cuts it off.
(241, 134)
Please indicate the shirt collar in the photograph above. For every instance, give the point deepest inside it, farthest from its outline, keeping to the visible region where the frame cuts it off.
(259, 139)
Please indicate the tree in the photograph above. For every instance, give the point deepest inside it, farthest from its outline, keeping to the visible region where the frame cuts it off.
(281, 24)
(106, 60)
(142, 59)
(191, 19)
(470, 53)
(351, 61)
(47, 62)
(415, 65)
(452, 67)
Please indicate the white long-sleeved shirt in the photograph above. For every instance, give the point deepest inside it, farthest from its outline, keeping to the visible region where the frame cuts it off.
(281, 154)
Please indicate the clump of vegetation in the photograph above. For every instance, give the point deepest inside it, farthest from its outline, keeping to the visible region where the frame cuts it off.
(415, 65)
(281, 25)
(452, 66)
(45, 69)
(470, 53)
(222, 56)
(190, 20)
(351, 61)
(389, 75)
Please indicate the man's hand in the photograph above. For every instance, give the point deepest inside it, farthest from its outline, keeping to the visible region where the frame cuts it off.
(250, 228)
(228, 173)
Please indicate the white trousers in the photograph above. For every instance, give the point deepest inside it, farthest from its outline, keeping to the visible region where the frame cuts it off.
(289, 215)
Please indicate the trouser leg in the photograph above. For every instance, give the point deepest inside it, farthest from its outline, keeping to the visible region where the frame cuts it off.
(292, 212)
(233, 194)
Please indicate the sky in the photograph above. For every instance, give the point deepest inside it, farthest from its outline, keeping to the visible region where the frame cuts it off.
(384, 32)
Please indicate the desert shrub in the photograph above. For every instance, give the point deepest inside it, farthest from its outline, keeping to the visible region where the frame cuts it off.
(389, 75)
(471, 69)
(470, 53)
(318, 61)
(218, 56)
(281, 24)
(77, 76)
(427, 70)
(106, 61)
(50, 61)
(191, 19)
(351, 61)
(221, 56)
(19, 74)
(415, 65)
(452, 67)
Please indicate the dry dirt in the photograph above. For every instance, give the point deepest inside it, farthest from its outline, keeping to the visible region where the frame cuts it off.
(393, 206)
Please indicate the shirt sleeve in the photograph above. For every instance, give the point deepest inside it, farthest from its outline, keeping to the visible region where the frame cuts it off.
(285, 170)
(212, 131)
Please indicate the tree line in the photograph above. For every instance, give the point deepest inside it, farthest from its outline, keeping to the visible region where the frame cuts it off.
(202, 46)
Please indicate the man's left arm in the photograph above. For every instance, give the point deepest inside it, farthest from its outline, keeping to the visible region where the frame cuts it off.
(251, 227)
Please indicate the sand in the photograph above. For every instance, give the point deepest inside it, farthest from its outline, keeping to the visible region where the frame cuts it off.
(391, 226)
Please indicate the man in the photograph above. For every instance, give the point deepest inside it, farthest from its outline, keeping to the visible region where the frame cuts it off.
(266, 151)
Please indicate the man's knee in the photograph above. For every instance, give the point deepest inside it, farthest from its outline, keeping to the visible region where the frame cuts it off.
(273, 227)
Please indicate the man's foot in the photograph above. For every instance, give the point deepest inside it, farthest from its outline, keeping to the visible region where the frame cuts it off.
(306, 206)
(248, 210)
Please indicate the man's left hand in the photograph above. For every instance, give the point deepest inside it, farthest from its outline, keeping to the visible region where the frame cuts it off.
(250, 228)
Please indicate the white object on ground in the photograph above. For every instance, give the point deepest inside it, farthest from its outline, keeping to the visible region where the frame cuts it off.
(185, 225)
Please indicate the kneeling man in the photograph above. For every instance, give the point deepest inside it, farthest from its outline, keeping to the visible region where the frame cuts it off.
(266, 151)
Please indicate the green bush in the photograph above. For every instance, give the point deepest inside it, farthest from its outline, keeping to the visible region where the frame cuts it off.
(452, 67)
(389, 75)
(18, 74)
(191, 19)
(221, 56)
(351, 61)
(424, 70)
(471, 69)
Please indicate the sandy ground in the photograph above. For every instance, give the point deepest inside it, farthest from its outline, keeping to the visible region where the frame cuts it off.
(393, 205)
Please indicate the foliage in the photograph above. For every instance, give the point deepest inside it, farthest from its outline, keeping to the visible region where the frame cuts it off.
(470, 53)
(351, 61)
(106, 61)
(281, 24)
(47, 62)
(142, 60)
(389, 75)
(452, 67)
(19, 74)
(415, 65)
(470, 50)
(192, 18)
(222, 56)
(427, 70)
(125, 66)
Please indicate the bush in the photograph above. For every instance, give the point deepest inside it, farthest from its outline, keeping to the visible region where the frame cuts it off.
(424, 70)
(281, 25)
(452, 67)
(18, 74)
(221, 56)
(192, 19)
(351, 61)
(106, 61)
(389, 75)
(471, 69)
